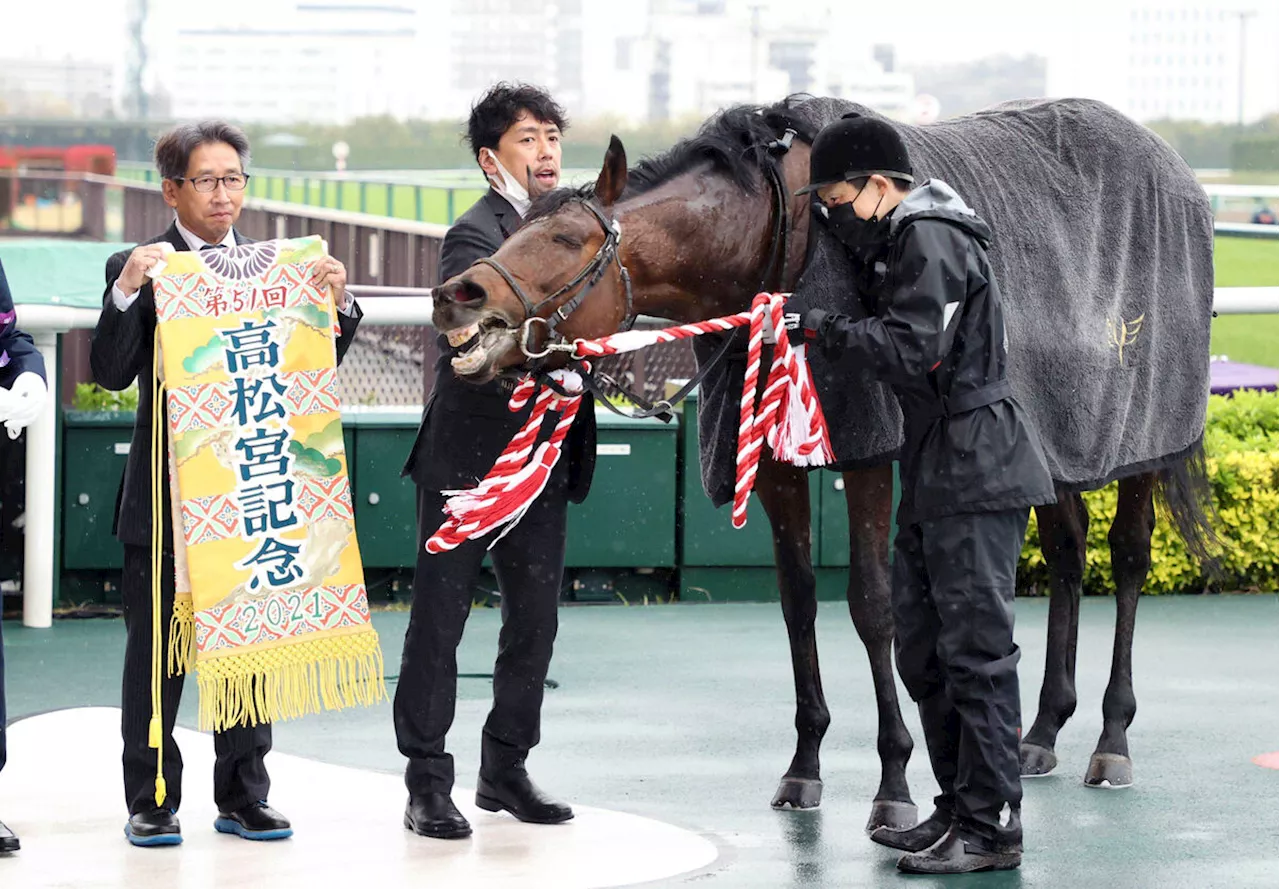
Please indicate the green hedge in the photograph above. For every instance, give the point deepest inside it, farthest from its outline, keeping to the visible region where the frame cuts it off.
(92, 397)
(1242, 449)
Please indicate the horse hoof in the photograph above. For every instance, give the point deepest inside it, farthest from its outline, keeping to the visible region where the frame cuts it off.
(892, 814)
(1037, 761)
(798, 793)
(1109, 771)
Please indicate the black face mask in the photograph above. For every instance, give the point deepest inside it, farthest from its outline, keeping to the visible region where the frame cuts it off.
(863, 237)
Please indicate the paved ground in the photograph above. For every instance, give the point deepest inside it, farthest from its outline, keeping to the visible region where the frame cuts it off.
(683, 714)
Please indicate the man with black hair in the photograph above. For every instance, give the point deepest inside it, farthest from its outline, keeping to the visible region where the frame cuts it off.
(971, 467)
(515, 133)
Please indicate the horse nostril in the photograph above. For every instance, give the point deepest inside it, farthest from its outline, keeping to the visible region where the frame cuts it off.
(469, 293)
(461, 293)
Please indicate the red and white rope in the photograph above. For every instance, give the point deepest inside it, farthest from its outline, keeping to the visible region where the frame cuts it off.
(519, 475)
(789, 418)
(633, 340)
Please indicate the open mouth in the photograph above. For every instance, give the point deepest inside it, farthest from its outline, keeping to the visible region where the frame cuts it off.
(547, 178)
(462, 335)
(478, 343)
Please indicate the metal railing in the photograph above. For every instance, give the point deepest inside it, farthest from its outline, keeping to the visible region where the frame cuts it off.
(421, 195)
(1246, 230)
(443, 197)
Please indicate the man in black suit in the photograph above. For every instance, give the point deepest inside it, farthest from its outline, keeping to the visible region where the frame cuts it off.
(22, 397)
(515, 134)
(202, 171)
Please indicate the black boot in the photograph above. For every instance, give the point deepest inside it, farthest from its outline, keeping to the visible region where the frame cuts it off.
(435, 815)
(963, 852)
(522, 798)
(918, 838)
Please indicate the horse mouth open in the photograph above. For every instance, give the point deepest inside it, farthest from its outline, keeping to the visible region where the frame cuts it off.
(482, 347)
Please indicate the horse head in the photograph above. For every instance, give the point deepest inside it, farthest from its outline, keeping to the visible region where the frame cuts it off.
(559, 276)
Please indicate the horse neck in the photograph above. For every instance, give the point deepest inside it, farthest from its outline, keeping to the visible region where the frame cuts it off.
(696, 247)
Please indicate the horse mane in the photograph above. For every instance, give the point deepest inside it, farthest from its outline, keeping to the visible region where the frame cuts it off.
(735, 142)
(549, 203)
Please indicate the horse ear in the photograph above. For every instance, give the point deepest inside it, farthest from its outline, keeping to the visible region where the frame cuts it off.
(613, 175)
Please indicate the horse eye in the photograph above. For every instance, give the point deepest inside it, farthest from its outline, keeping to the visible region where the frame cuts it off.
(568, 241)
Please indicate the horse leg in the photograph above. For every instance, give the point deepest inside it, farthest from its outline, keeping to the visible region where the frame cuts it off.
(784, 493)
(869, 496)
(1063, 531)
(1130, 539)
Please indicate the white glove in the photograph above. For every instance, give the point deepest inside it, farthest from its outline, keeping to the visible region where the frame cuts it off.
(21, 405)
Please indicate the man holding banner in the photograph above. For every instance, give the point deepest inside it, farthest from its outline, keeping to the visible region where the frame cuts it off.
(202, 168)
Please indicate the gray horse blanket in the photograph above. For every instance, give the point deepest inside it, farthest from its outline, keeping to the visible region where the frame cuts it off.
(1104, 257)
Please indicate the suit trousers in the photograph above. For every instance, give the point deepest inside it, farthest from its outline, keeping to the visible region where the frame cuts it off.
(529, 564)
(239, 774)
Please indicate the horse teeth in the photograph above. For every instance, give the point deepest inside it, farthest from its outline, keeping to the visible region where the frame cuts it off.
(462, 334)
(468, 363)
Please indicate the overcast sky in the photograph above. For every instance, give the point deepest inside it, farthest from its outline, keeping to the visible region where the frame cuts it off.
(923, 31)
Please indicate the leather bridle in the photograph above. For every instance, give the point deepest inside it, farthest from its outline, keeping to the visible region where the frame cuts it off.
(583, 281)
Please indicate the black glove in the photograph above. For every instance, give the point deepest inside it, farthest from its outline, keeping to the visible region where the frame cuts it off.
(801, 320)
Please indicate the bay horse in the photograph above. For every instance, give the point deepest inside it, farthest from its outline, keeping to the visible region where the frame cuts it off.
(694, 234)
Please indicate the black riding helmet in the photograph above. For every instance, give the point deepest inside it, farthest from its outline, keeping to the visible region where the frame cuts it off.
(855, 146)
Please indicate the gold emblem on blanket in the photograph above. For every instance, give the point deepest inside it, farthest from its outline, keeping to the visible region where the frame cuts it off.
(1124, 334)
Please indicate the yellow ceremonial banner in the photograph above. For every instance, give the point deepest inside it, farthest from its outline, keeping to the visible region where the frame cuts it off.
(265, 544)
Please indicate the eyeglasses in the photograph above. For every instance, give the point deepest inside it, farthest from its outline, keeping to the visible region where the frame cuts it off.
(207, 184)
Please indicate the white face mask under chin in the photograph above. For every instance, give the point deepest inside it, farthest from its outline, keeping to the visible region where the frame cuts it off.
(510, 187)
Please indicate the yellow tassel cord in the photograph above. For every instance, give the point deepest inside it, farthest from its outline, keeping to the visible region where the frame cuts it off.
(156, 728)
(291, 680)
(182, 636)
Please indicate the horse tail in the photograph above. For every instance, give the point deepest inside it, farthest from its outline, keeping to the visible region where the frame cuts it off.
(1184, 490)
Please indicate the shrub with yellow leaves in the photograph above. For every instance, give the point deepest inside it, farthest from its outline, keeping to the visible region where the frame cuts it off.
(1242, 456)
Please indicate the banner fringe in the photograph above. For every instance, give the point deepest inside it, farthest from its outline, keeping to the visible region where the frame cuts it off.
(291, 681)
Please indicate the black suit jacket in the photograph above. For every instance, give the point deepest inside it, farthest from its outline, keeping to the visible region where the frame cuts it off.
(122, 350)
(465, 427)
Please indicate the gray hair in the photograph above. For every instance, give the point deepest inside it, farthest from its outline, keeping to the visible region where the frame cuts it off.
(173, 150)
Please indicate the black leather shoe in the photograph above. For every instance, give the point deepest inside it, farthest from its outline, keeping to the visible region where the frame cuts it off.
(522, 798)
(157, 827)
(8, 842)
(960, 853)
(256, 821)
(435, 815)
(918, 838)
